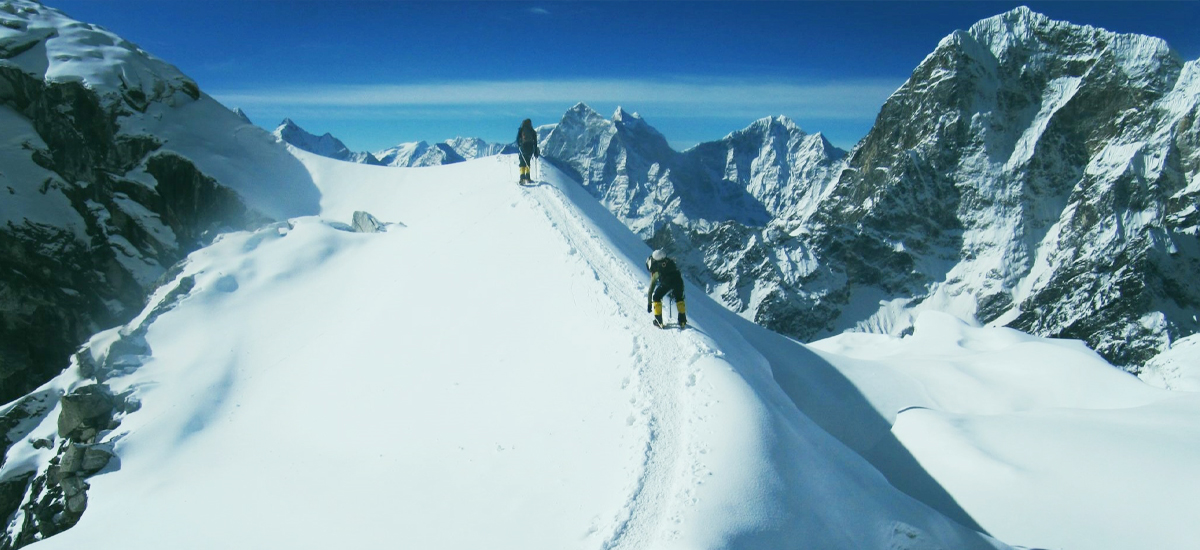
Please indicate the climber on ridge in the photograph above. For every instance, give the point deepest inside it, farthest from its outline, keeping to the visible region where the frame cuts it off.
(664, 279)
(527, 143)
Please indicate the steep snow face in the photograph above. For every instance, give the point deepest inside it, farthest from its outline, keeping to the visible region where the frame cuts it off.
(1031, 173)
(623, 162)
(298, 364)
(777, 163)
(325, 145)
(1178, 368)
(115, 166)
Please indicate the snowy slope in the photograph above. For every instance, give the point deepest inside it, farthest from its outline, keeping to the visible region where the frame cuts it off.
(482, 375)
(113, 166)
(1041, 441)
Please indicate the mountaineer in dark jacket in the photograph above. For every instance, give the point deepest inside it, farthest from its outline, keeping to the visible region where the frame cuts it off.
(664, 279)
(527, 143)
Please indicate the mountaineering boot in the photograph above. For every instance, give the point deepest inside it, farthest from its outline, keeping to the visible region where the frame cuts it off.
(658, 322)
(682, 309)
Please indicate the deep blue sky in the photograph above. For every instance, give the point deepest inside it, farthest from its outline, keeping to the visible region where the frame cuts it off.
(377, 73)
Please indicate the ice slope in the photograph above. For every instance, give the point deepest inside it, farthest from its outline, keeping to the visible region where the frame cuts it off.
(481, 375)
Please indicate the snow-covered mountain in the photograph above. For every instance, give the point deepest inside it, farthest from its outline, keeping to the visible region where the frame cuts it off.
(724, 208)
(749, 177)
(1034, 174)
(325, 145)
(1031, 173)
(302, 363)
(300, 358)
(473, 148)
(113, 167)
(451, 151)
(404, 155)
(421, 153)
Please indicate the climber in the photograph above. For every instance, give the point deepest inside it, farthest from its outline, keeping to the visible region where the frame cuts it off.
(664, 279)
(527, 144)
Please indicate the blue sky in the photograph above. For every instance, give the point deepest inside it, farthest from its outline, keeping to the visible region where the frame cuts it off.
(377, 73)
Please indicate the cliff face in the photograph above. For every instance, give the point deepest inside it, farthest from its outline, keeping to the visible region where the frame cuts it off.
(115, 167)
(1035, 174)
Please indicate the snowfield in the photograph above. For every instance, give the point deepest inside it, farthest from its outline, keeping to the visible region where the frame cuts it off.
(483, 374)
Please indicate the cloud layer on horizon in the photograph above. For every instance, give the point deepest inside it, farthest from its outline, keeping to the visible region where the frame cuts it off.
(718, 98)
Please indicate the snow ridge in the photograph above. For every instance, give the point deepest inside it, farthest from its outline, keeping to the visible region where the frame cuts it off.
(657, 405)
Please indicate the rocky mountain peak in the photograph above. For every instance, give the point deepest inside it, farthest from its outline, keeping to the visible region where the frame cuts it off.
(1015, 150)
(324, 145)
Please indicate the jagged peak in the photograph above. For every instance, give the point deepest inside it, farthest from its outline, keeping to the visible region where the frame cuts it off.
(621, 115)
(583, 110)
(1019, 22)
(767, 125)
(242, 115)
(1023, 28)
(778, 120)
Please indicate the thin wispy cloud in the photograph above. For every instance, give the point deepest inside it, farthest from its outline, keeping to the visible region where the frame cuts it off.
(539, 11)
(830, 100)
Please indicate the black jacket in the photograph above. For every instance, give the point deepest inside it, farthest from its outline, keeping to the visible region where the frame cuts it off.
(664, 273)
(527, 140)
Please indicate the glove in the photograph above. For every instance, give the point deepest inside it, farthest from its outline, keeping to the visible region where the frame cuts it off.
(649, 308)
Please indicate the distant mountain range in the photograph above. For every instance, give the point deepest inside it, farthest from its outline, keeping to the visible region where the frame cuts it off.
(325, 145)
(403, 155)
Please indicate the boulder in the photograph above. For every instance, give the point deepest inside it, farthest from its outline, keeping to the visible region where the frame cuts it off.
(87, 407)
(366, 223)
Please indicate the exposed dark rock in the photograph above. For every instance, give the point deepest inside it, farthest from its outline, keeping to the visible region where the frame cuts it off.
(11, 492)
(23, 417)
(56, 290)
(87, 407)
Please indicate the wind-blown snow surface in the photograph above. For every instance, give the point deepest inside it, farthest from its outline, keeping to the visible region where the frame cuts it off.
(483, 375)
